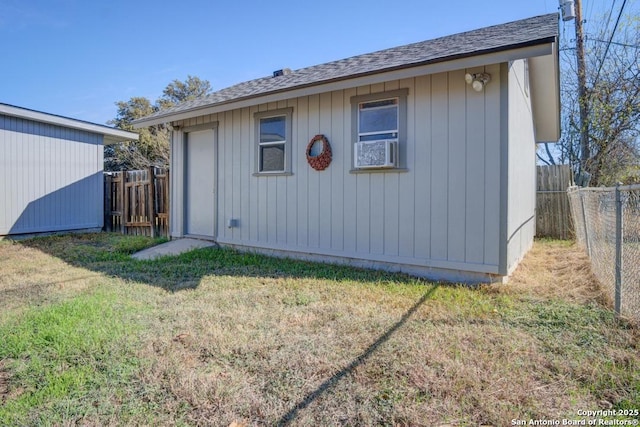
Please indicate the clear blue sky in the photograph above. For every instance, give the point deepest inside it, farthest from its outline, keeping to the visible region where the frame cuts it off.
(76, 58)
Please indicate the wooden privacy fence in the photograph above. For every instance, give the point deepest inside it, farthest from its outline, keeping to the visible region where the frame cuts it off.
(137, 202)
(553, 213)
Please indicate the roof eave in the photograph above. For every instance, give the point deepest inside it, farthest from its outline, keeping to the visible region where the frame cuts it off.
(528, 49)
(110, 134)
(544, 77)
(116, 138)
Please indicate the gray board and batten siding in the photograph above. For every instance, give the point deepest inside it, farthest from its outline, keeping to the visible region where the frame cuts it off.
(51, 171)
(462, 205)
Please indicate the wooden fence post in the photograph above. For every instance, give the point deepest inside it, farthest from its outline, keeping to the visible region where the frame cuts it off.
(107, 203)
(152, 200)
(167, 200)
(125, 203)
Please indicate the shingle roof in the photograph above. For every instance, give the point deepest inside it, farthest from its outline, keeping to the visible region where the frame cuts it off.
(517, 34)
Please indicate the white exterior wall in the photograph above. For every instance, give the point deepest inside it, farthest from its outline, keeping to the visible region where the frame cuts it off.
(444, 212)
(176, 184)
(521, 199)
(51, 177)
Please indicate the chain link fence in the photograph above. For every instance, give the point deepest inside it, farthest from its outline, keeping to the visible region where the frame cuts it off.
(607, 227)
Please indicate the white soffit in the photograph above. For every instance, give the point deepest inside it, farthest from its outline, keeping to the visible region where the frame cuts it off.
(545, 96)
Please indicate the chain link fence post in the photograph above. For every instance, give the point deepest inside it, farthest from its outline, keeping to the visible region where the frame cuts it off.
(584, 223)
(608, 230)
(619, 226)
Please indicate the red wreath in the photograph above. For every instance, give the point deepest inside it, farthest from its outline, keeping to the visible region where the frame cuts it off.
(322, 160)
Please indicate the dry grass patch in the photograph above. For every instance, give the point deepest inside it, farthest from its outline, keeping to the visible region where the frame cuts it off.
(557, 269)
(222, 337)
(30, 278)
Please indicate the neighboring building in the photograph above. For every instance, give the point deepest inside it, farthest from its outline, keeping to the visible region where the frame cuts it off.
(51, 175)
(433, 155)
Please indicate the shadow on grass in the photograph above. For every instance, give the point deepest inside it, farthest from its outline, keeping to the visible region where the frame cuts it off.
(347, 370)
(109, 253)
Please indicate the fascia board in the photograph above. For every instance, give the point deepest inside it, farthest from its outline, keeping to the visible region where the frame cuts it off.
(409, 72)
(110, 134)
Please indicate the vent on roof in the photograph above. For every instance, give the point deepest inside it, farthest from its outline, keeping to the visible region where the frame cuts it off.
(283, 72)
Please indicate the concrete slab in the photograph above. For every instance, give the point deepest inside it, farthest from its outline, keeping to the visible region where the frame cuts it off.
(173, 247)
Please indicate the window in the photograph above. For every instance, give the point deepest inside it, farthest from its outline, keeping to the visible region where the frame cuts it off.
(273, 134)
(378, 120)
(272, 142)
(379, 123)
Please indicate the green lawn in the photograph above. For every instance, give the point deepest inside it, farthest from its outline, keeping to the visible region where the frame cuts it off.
(89, 336)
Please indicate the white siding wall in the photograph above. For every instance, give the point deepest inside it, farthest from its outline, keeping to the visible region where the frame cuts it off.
(50, 177)
(522, 172)
(444, 212)
(176, 190)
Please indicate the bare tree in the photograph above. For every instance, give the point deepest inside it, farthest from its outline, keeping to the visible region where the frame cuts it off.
(613, 106)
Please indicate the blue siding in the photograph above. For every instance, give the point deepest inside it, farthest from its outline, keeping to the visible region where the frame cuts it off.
(51, 177)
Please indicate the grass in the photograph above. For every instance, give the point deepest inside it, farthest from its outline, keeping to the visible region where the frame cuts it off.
(214, 336)
(63, 351)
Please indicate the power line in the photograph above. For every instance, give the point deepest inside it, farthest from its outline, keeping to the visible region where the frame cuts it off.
(635, 46)
(615, 27)
(613, 4)
(590, 12)
(591, 39)
(606, 26)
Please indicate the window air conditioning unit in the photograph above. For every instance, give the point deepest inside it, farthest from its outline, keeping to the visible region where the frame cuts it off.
(376, 154)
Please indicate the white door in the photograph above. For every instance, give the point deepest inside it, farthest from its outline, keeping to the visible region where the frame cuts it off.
(200, 170)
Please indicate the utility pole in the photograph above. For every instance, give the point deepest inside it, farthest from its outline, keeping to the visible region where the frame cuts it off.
(585, 152)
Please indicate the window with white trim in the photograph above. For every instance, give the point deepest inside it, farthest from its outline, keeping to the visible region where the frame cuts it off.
(273, 134)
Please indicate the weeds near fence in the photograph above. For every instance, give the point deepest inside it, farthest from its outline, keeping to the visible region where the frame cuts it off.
(607, 224)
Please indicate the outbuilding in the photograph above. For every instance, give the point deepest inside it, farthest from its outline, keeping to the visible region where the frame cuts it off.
(418, 158)
(51, 171)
